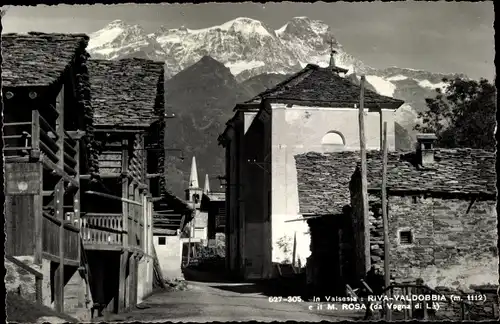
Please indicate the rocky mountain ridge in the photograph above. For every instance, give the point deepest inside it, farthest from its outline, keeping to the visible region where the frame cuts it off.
(209, 70)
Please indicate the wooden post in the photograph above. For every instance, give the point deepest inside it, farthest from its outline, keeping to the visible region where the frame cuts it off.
(122, 284)
(131, 216)
(294, 250)
(38, 219)
(137, 214)
(387, 273)
(381, 123)
(59, 205)
(59, 274)
(76, 196)
(35, 131)
(364, 181)
(38, 198)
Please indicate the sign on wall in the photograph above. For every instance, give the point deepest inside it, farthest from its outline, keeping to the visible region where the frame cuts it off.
(22, 178)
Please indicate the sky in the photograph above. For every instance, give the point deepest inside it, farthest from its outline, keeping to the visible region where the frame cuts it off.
(439, 36)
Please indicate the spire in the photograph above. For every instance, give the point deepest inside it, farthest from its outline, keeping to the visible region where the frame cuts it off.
(332, 58)
(206, 189)
(193, 178)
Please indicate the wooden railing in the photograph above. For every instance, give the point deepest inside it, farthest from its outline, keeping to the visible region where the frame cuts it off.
(40, 134)
(108, 228)
(17, 138)
(49, 145)
(100, 228)
(38, 276)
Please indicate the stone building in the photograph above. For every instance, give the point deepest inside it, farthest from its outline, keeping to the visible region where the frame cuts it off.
(324, 201)
(313, 110)
(441, 211)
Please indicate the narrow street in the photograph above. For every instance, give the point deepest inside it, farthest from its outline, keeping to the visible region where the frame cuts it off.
(206, 302)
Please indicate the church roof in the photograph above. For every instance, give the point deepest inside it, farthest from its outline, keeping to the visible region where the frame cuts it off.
(322, 87)
(126, 92)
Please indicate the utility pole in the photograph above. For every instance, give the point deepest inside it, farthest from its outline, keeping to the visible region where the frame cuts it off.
(385, 219)
(364, 181)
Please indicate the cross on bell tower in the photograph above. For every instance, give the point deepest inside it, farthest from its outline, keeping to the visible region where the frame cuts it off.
(332, 53)
(332, 67)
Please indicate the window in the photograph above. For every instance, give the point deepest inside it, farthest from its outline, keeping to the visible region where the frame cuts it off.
(333, 141)
(405, 237)
(162, 240)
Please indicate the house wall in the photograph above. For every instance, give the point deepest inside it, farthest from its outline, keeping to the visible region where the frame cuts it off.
(298, 130)
(450, 247)
(257, 247)
(145, 278)
(169, 256)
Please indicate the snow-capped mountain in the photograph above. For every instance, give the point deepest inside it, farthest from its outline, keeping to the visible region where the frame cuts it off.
(250, 48)
(246, 46)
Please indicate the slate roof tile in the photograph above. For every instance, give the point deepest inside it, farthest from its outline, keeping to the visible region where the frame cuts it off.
(323, 181)
(464, 171)
(126, 92)
(323, 178)
(38, 59)
(316, 86)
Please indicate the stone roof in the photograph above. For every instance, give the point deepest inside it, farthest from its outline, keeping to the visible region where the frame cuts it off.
(323, 181)
(323, 178)
(38, 59)
(455, 171)
(316, 86)
(126, 92)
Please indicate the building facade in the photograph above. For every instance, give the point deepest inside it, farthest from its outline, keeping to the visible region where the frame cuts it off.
(441, 216)
(47, 133)
(314, 110)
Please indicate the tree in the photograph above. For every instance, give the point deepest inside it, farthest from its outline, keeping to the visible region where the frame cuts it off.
(461, 116)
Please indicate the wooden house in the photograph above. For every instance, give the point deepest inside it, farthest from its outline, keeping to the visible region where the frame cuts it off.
(128, 102)
(46, 113)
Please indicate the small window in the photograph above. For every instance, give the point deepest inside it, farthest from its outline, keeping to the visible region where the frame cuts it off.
(414, 199)
(161, 240)
(405, 237)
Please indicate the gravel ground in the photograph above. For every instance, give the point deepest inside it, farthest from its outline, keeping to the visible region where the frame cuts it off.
(206, 302)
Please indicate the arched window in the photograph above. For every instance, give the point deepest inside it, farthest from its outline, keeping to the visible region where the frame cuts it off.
(333, 141)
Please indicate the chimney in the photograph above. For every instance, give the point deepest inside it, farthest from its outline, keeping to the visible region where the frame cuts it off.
(425, 149)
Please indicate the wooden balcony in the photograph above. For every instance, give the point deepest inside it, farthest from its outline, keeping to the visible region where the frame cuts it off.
(106, 231)
(42, 173)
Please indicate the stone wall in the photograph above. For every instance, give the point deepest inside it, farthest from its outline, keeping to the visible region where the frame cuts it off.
(453, 246)
(453, 242)
(18, 280)
(21, 282)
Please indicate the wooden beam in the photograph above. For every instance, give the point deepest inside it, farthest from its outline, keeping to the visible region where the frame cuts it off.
(122, 281)
(76, 135)
(387, 272)
(105, 195)
(125, 181)
(35, 130)
(57, 170)
(121, 131)
(59, 275)
(364, 181)
(38, 219)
